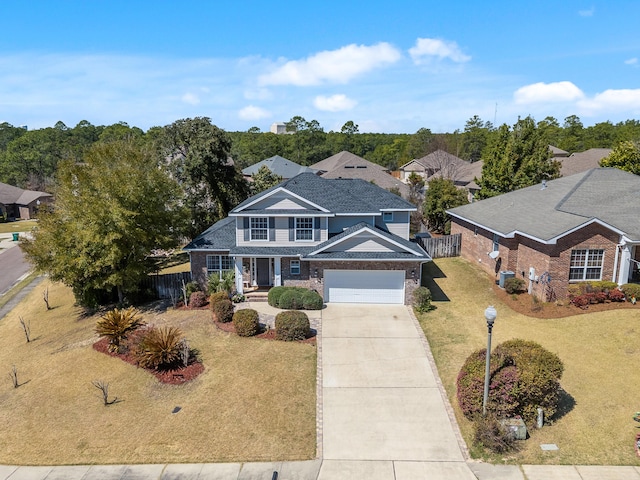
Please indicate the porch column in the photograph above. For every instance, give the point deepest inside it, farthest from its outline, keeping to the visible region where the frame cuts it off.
(625, 265)
(277, 272)
(239, 284)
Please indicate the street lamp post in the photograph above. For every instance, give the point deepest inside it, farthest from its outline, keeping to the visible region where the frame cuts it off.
(490, 315)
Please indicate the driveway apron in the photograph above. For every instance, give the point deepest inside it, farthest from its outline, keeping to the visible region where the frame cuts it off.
(381, 404)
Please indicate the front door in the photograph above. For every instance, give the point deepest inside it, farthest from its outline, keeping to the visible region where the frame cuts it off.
(263, 276)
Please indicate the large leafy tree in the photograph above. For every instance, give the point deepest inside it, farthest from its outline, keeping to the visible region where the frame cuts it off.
(626, 156)
(476, 135)
(111, 210)
(197, 154)
(516, 158)
(441, 195)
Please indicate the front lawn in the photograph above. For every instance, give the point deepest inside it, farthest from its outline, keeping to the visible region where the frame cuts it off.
(18, 226)
(600, 352)
(255, 400)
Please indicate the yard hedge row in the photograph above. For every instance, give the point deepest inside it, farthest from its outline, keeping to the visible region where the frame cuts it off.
(294, 298)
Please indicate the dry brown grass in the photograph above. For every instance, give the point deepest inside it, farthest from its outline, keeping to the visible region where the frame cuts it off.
(18, 226)
(254, 402)
(600, 352)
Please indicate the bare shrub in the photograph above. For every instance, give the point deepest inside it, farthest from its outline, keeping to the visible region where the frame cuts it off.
(26, 327)
(104, 392)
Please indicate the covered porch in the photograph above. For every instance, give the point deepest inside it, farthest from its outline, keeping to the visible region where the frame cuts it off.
(627, 263)
(257, 273)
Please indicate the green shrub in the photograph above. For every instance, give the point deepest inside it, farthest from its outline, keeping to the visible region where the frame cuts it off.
(631, 290)
(192, 287)
(514, 285)
(197, 299)
(213, 283)
(217, 297)
(246, 322)
(292, 325)
(273, 297)
(223, 311)
(490, 434)
(116, 324)
(603, 286)
(422, 299)
(160, 348)
(524, 376)
(312, 300)
(291, 298)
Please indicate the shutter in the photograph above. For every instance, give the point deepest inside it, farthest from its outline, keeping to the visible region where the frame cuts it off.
(246, 229)
(272, 229)
(316, 233)
(292, 229)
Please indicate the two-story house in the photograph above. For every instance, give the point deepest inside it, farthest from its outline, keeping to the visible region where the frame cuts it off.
(346, 238)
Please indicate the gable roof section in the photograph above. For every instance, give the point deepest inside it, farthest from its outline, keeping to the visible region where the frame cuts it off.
(347, 165)
(220, 236)
(14, 195)
(279, 166)
(403, 249)
(607, 196)
(336, 196)
(582, 161)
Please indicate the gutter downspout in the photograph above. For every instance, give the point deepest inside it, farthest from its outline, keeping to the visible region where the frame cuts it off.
(615, 263)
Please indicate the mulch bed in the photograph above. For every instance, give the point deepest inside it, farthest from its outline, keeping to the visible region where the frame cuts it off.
(523, 303)
(173, 377)
(267, 334)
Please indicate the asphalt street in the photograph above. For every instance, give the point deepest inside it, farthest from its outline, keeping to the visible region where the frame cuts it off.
(12, 266)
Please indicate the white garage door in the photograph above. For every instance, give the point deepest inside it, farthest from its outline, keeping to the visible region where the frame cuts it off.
(364, 286)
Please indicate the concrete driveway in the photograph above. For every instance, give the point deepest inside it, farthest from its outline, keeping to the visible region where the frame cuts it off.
(382, 408)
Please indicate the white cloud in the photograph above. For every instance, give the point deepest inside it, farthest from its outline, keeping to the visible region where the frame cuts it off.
(252, 112)
(631, 61)
(334, 66)
(587, 13)
(623, 100)
(547, 93)
(190, 98)
(334, 103)
(432, 47)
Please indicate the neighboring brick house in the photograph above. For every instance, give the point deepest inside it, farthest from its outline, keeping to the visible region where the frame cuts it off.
(346, 238)
(19, 203)
(577, 228)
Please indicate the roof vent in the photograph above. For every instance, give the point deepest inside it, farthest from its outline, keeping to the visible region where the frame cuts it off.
(544, 185)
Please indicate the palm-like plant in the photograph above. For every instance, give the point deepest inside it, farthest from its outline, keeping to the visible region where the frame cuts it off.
(116, 324)
(160, 348)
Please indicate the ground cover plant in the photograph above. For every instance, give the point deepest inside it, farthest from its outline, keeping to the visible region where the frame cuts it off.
(238, 409)
(599, 350)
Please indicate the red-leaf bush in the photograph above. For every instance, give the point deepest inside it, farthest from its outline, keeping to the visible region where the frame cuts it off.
(198, 299)
(616, 295)
(523, 377)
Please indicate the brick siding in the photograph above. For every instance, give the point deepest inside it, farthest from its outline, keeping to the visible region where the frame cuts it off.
(520, 253)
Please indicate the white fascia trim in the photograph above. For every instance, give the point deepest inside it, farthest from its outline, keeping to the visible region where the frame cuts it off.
(417, 260)
(267, 214)
(398, 209)
(376, 214)
(282, 189)
(358, 232)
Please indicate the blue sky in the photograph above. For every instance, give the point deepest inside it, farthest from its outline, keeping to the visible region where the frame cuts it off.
(391, 67)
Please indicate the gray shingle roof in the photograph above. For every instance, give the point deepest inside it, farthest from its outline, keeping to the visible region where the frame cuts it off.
(582, 161)
(271, 251)
(418, 252)
(279, 166)
(10, 195)
(338, 195)
(608, 195)
(219, 236)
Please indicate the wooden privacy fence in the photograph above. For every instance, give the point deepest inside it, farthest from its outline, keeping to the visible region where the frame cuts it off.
(445, 246)
(168, 284)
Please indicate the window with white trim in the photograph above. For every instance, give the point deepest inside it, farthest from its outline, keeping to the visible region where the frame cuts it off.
(259, 227)
(496, 242)
(304, 228)
(586, 264)
(294, 267)
(218, 264)
(387, 217)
